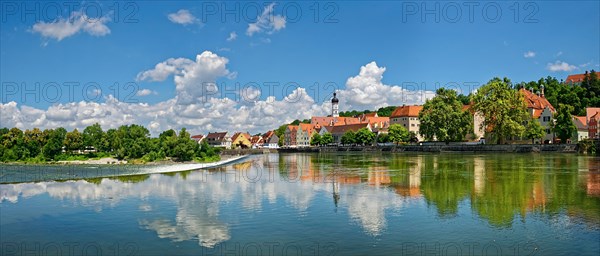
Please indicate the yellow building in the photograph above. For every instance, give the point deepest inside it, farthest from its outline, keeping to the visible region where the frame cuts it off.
(241, 140)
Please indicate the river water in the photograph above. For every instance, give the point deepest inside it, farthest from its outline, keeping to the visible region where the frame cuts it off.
(313, 204)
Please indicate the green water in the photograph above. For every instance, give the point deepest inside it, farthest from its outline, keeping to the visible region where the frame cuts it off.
(316, 204)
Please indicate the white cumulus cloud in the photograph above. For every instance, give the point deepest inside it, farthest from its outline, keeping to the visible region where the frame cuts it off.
(183, 17)
(77, 22)
(367, 91)
(560, 66)
(267, 22)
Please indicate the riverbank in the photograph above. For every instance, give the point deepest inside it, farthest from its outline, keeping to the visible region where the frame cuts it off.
(481, 148)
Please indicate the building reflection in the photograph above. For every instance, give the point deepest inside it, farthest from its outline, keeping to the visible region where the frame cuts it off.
(410, 181)
(593, 177)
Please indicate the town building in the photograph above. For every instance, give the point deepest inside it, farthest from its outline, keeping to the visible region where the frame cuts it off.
(540, 108)
(577, 79)
(592, 116)
(198, 138)
(289, 139)
(582, 128)
(241, 140)
(270, 140)
(256, 141)
(408, 116)
(219, 139)
(478, 132)
(303, 135)
(338, 131)
(593, 126)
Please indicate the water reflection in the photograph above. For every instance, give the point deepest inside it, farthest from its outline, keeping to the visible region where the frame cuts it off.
(498, 188)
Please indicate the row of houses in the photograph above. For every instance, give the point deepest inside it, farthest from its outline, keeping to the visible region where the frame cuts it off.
(538, 107)
(406, 115)
(239, 140)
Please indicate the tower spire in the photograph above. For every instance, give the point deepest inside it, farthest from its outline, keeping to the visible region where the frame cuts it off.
(334, 106)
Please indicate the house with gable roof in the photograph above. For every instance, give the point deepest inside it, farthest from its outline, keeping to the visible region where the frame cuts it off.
(540, 108)
(270, 140)
(219, 139)
(241, 140)
(289, 139)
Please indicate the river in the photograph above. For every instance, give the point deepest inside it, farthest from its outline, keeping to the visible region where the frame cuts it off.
(316, 204)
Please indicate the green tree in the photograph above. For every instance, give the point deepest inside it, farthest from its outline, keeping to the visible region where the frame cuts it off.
(564, 126)
(534, 130)
(364, 136)
(34, 141)
(464, 99)
(92, 136)
(315, 139)
(73, 141)
(386, 111)
(280, 132)
(442, 117)
(348, 138)
(168, 142)
(131, 141)
(503, 109)
(186, 147)
(13, 137)
(383, 138)
(397, 133)
(53, 147)
(326, 139)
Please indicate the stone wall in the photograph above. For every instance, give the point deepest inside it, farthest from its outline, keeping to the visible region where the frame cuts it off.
(559, 148)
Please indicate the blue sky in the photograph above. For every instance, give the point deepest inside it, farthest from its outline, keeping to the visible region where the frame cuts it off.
(550, 38)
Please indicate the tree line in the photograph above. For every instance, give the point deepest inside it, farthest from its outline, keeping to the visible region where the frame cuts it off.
(503, 109)
(126, 142)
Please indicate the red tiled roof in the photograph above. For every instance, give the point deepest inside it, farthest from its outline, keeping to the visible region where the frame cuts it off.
(293, 127)
(255, 139)
(580, 122)
(268, 135)
(537, 113)
(216, 135)
(237, 134)
(199, 136)
(536, 102)
(340, 129)
(577, 78)
(327, 120)
(306, 127)
(589, 112)
(407, 111)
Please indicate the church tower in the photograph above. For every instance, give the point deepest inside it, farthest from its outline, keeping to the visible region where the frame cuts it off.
(334, 106)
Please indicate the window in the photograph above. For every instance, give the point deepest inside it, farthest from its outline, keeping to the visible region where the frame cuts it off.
(547, 131)
(413, 125)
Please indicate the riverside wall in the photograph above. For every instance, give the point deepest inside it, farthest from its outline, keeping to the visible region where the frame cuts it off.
(481, 148)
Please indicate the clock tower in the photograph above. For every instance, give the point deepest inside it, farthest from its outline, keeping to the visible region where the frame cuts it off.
(334, 106)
